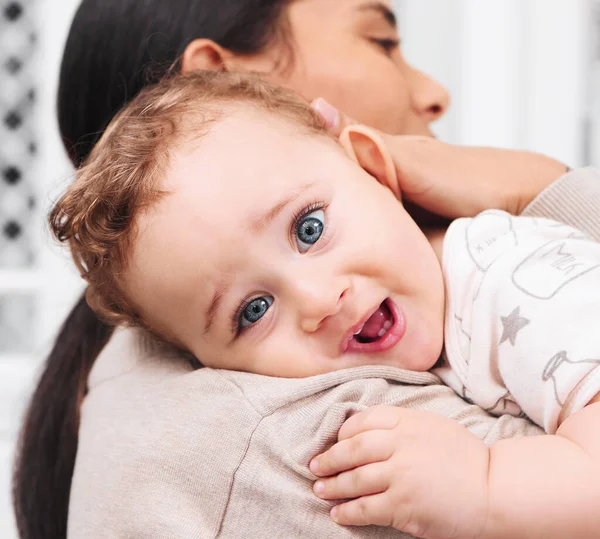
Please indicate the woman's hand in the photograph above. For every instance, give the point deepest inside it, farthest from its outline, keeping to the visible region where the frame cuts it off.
(451, 181)
(417, 471)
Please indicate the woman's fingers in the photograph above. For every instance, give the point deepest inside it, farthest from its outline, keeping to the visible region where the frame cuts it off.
(364, 448)
(335, 120)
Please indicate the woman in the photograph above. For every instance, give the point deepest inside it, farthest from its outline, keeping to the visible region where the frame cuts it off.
(347, 52)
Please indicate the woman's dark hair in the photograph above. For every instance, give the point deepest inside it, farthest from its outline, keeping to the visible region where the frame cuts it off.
(114, 49)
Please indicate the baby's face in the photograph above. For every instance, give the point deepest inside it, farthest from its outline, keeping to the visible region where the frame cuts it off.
(274, 253)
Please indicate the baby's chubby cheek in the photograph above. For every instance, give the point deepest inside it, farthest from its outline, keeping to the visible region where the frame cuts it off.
(203, 351)
(426, 325)
(426, 350)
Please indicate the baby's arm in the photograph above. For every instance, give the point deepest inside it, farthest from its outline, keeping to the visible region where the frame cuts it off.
(548, 486)
(428, 476)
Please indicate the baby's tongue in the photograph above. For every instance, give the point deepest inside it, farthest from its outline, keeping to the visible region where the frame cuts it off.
(375, 323)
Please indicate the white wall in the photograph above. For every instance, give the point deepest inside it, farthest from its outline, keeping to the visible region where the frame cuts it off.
(592, 149)
(429, 30)
(517, 70)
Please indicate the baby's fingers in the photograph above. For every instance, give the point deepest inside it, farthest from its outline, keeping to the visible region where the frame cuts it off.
(335, 120)
(376, 509)
(362, 481)
(376, 417)
(364, 448)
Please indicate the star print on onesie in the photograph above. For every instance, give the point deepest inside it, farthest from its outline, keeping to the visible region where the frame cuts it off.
(512, 324)
(523, 297)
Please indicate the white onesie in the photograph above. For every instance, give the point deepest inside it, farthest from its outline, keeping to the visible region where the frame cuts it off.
(522, 330)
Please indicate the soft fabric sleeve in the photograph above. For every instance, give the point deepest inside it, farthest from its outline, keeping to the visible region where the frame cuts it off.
(523, 297)
(573, 199)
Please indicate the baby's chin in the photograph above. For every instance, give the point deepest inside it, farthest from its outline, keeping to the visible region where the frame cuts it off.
(322, 368)
(415, 354)
(348, 362)
(411, 364)
(423, 358)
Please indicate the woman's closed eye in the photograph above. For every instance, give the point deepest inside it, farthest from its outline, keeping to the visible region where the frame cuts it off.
(389, 45)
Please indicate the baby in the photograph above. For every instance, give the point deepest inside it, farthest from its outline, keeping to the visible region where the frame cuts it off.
(218, 214)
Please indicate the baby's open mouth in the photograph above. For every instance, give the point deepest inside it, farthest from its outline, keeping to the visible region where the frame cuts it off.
(381, 331)
(376, 326)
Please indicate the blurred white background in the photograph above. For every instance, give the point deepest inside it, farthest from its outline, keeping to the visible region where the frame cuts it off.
(522, 74)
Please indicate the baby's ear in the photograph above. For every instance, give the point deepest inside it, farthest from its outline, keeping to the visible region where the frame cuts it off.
(368, 149)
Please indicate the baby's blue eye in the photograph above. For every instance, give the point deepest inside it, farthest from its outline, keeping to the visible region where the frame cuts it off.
(255, 310)
(309, 229)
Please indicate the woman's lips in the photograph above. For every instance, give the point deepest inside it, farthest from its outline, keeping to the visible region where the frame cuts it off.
(392, 336)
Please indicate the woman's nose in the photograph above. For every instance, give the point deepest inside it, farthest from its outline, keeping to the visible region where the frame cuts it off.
(430, 99)
(316, 302)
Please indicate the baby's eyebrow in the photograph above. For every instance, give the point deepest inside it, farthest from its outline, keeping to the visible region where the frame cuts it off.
(258, 224)
(215, 303)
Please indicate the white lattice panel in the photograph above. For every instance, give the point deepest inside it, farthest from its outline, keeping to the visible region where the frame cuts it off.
(19, 148)
(37, 283)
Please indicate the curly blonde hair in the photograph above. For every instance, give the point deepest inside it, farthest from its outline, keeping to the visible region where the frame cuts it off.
(96, 216)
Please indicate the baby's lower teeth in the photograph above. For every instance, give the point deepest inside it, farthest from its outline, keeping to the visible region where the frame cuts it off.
(387, 325)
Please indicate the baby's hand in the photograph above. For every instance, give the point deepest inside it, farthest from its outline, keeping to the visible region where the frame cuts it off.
(422, 473)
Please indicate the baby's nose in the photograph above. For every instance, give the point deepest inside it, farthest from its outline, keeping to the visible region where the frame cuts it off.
(317, 304)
